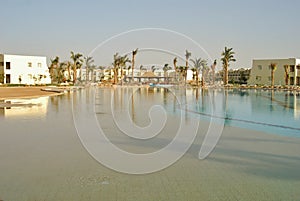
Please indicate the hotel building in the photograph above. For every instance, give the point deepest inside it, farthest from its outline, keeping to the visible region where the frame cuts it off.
(261, 72)
(18, 69)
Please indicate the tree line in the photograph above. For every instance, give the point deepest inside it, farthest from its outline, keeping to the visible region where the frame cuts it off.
(67, 71)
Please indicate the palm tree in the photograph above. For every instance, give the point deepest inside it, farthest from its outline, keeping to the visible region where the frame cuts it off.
(92, 69)
(128, 69)
(213, 69)
(153, 69)
(196, 67)
(109, 69)
(102, 75)
(286, 70)
(142, 68)
(69, 66)
(116, 65)
(227, 57)
(61, 72)
(199, 64)
(193, 69)
(53, 68)
(123, 60)
(175, 67)
(134, 52)
(187, 56)
(88, 62)
(165, 69)
(204, 69)
(273, 67)
(181, 70)
(77, 63)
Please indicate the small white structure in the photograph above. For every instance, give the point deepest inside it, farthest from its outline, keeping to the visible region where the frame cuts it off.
(261, 72)
(19, 69)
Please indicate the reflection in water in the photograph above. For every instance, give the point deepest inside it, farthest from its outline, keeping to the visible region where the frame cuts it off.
(228, 112)
(57, 101)
(296, 106)
(271, 100)
(44, 160)
(132, 108)
(138, 102)
(291, 102)
(24, 108)
(253, 109)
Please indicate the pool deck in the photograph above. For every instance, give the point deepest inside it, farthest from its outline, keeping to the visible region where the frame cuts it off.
(24, 92)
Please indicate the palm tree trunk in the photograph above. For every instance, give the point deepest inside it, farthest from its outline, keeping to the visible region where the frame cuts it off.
(80, 74)
(74, 74)
(86, 74)
(286, 75)
(132, 66)
(272, 77)
(115, 75)
(69, 73)
(213, 76)
(225, 74)
(197, 78)
(175, 71)
(186, 68)
(121, 75)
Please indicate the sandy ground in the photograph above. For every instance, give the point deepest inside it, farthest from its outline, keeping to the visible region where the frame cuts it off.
(23, 92)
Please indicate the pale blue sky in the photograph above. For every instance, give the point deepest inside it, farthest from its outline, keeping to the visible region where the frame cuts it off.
(255, 29)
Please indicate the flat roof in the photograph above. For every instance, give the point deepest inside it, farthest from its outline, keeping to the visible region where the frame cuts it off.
(18, 55)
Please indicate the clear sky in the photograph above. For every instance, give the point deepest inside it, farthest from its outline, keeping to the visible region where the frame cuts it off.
(255, 29)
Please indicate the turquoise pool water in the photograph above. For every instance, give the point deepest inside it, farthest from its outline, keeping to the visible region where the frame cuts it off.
(271, 111)
(275, 112)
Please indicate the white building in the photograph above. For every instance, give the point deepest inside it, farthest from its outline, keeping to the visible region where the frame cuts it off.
(17, 69)
(261, 72)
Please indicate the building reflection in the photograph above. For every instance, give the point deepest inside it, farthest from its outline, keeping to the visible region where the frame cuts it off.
(292, 101)
(20, 108)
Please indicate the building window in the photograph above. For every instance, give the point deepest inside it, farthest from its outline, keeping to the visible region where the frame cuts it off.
(39, 65)
(298, 67)
(7, 65)
(291, 80)
(259, 67)
(292, 68)
(7, 78)
(29, 64)
(1, 63)
(258, 78)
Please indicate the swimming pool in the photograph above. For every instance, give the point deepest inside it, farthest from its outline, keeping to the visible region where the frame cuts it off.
(42, 157)
(270, 111)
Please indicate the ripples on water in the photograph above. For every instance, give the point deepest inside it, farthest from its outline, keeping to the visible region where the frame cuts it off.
(276, 112)
(43, 159)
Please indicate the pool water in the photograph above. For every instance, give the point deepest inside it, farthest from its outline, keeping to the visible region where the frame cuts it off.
(276, 112)
(256, 158)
